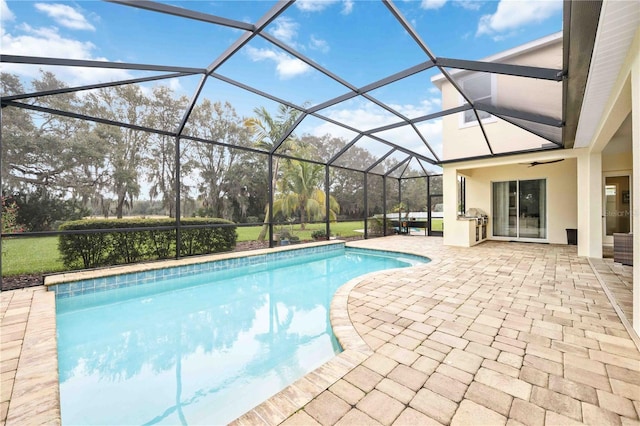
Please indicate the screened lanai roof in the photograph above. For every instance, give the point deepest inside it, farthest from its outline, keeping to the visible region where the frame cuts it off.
(361, 75)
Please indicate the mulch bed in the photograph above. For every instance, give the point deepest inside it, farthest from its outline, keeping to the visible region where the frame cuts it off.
(31, 280)
(21, 281)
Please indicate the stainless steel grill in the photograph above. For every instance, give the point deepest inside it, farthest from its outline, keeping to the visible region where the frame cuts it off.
(482, 221)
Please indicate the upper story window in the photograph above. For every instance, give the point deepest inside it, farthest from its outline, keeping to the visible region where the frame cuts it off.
(479, 87)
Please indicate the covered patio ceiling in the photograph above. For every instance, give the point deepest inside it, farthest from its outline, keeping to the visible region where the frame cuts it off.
(373, 90)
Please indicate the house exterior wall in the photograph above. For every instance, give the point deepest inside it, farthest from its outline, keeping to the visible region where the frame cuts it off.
(575, 186)
(562, 200)
(539, 96)
(619, 162)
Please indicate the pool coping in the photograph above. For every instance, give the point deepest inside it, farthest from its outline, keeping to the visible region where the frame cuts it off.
(41, 344)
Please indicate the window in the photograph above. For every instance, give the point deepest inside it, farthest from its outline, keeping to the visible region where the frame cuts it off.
(478, 88)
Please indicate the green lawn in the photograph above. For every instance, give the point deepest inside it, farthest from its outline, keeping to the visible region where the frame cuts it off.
(30, 256)
(342, 229)
(40, 254)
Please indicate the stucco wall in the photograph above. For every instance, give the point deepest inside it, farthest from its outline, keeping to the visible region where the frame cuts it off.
(618, 162)
(532, 95)
(561, 192)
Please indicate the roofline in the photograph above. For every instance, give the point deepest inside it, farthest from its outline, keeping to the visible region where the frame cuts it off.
(582, 20)
(525, 48)
(511, 53)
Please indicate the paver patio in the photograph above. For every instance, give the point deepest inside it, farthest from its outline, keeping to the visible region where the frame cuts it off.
(493, 334)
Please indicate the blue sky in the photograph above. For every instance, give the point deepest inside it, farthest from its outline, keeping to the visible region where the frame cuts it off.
(360, 41)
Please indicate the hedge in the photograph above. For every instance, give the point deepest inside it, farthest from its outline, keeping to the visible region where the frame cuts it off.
(119, 247)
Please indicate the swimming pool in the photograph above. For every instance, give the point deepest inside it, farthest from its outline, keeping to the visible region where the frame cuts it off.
(200, 348)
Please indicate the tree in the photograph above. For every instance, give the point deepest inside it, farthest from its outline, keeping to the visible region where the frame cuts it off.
(165, 112)
(42, 150)
(346, 185)
(248, 183)
(17, 126)
(267, 131)
(126, 147)
(9, 221)
(301, 193)
(217, 122)
(43, 209)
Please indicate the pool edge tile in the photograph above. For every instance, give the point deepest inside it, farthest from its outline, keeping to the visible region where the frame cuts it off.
(127, 275)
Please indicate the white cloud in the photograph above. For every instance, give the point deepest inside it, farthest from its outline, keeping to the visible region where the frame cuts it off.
(432, 132)
(359, 117)
(318, 44)
(438, 4)
(65, 16)
(286, 66)
(47, 42)
(469, 4)
(5, 13)
(363, 116)
(347, 7)
(285, 29)
(175, 85)
(432, 4)
(424, 107)
(314, 5)
(320, 5)
(513, 14)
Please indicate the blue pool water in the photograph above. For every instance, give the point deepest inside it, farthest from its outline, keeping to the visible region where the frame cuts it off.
(201, 348)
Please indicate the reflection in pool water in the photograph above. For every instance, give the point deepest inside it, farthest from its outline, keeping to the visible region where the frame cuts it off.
(205, 350)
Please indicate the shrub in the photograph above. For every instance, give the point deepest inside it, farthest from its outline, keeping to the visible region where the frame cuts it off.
(319, 234)
(41, 210)
(207, 240)
(119, 247)
(376, 227)
(9, 219)
(283, 234)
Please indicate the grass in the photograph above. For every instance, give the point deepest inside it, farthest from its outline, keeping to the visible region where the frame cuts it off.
(37, 255)
(30, 256)
(341, 229)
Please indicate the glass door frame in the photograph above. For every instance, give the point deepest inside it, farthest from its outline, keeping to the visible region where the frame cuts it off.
(607, 240)
(517, 224)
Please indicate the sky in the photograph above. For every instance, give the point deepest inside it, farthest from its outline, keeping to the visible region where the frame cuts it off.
(359, 41)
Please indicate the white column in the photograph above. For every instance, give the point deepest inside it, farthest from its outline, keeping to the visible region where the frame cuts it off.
(590, 204)
(635, 138)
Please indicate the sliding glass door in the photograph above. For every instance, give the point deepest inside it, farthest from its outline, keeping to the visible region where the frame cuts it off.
(520, 209)
(505, 209)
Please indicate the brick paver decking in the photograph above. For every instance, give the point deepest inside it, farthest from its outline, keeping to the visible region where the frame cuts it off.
(500, 333)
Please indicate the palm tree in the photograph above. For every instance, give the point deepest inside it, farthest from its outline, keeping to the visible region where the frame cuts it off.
(301, 193)
(266, 131)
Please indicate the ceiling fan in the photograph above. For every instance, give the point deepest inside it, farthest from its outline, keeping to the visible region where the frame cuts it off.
(538, 163)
